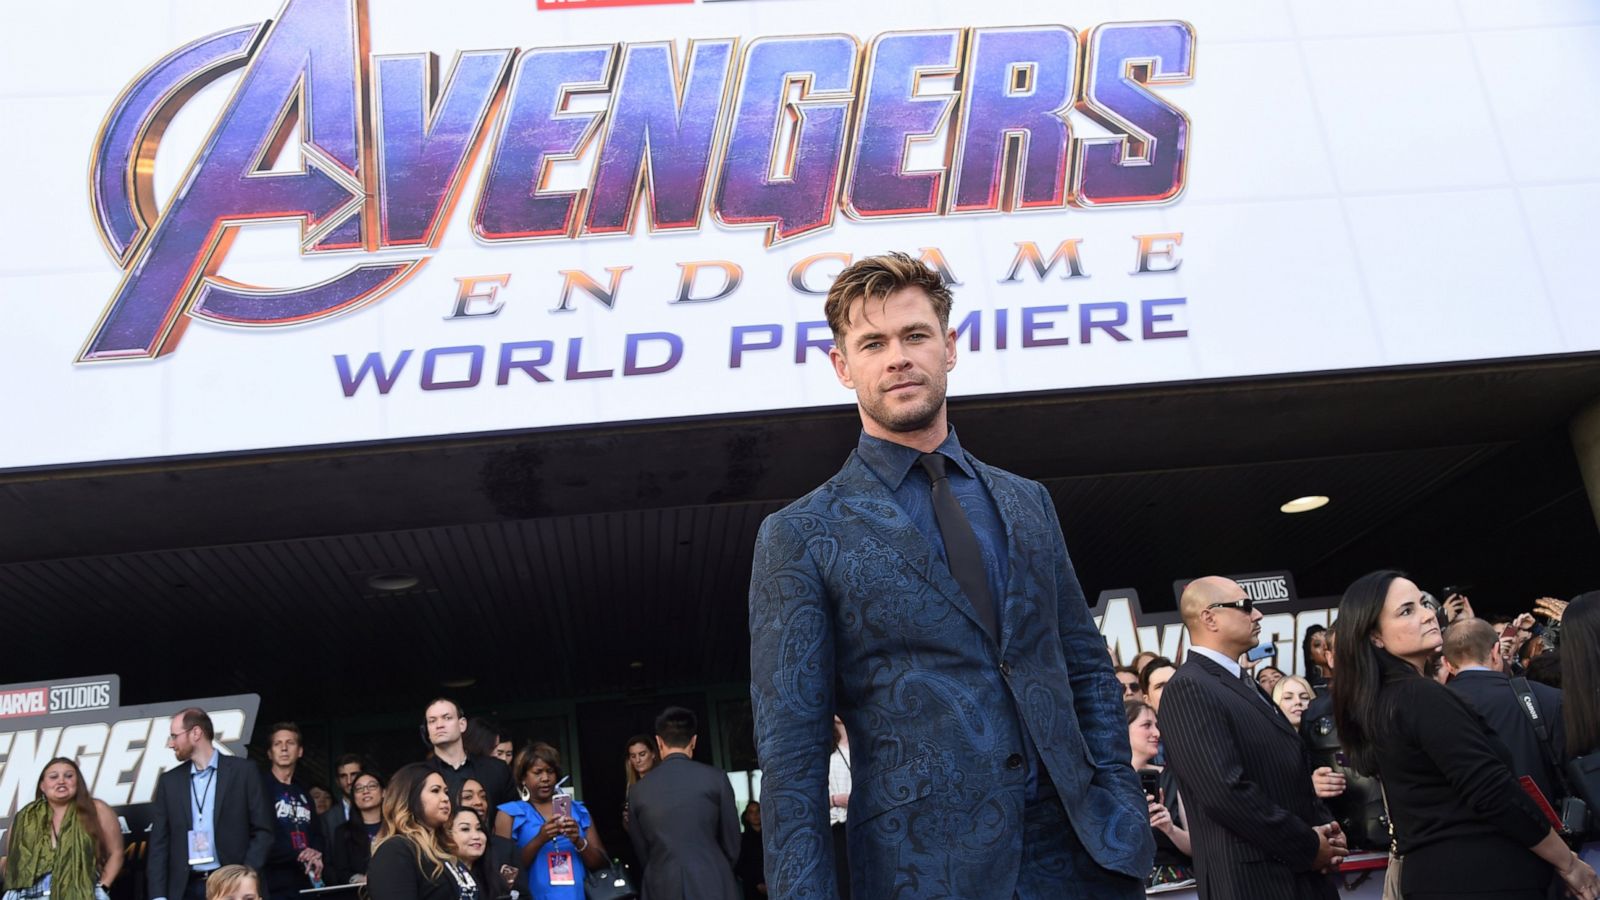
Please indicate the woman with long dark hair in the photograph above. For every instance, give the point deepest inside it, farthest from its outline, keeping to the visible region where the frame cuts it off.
(411, 860)
(1314, 653)
(65, 843)
(1461, 822)
(350, 846)
(1580, 685)
(468, 840)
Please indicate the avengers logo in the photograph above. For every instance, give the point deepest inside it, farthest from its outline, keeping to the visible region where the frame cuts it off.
(775, 133)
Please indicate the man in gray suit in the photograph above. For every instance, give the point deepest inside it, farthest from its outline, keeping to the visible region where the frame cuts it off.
(682, 820)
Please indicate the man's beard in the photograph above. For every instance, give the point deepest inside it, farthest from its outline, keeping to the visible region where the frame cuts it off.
(907, 419)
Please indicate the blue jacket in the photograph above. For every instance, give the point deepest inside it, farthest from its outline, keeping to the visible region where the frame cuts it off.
(851, 611)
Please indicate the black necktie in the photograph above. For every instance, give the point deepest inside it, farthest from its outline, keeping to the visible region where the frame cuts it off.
(1255, 687)
(960, 543)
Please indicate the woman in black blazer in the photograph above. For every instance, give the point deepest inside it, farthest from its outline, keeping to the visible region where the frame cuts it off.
(1461, 822)
(410, 860)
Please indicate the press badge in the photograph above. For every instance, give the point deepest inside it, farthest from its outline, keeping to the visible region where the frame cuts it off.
(561, 868)
(201, 850)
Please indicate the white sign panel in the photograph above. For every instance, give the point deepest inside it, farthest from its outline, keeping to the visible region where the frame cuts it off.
(245, 225)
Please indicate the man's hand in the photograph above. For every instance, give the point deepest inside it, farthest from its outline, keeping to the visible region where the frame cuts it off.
(1331, 848)
(1458, 606)
(1550, 608)
(1327, 782)
(312, 861)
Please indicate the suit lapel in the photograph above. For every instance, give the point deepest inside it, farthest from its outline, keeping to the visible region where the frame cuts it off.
(866, 496)
(1251, 695)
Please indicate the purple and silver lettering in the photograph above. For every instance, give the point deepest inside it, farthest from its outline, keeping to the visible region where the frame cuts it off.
(659, 137)
(1017, 89)
(1149, 161)
(426, 144)
(538, 130)
(893, 116)
(124, 152)
(781, 167)
(306, 68)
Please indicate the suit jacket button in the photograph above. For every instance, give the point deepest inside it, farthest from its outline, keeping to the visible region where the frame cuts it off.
(1005, 668)
(1014, 761)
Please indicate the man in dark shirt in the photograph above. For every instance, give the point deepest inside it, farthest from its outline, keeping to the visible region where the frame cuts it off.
(1472, 647)
(445, 725)
(297, 842)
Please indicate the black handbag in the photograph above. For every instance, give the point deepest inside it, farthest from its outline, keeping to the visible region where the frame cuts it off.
(1583, 779)
(611, 883)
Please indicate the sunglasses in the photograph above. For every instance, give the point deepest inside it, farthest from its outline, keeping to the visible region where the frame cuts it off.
(1243, 604)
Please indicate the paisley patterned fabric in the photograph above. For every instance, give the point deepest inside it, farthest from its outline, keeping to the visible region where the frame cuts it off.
(852, 611)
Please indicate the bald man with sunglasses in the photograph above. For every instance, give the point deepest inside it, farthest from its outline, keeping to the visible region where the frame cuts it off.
(1257, 827)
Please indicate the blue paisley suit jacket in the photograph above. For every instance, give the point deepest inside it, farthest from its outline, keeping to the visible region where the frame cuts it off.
(851, 611)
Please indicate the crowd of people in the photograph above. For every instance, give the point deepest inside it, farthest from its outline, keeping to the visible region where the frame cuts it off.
(1465, 747)
(461, 824)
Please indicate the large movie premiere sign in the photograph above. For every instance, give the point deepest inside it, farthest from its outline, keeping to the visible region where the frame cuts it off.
(121, 749)
(248, 225)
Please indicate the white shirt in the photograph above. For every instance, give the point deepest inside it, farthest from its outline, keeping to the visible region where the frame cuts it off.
(838, 782)
(1232, 665)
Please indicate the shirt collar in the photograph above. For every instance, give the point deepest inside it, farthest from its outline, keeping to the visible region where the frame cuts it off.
(1478, 669)
(891, 462)
(211, 764)
(1231, 665)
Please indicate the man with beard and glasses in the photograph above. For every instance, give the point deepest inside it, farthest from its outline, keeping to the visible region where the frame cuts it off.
(209, 811)
(1256, 827)
(928, 598)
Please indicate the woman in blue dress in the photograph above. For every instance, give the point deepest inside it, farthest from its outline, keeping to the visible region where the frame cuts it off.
(556, 850)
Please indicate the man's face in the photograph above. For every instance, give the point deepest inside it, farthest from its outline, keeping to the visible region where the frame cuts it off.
(896, 357)
(445, 724)
(1130, 685)
(285, 750)
(180, 739)
(1158, 684)
(347, 776)
(1239, 629)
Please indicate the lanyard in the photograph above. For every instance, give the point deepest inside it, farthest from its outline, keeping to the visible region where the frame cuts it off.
(200, 796)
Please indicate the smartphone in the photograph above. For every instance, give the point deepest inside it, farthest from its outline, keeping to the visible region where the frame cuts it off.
(561, 804)
(1509, 632)
(1150, 781)
(1261, 652)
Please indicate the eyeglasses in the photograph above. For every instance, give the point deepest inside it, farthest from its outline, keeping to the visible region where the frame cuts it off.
(367, 788)
(1243, 604)
(174, 735)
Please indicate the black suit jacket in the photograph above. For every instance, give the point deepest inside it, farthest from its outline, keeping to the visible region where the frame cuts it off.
(242, 821)
(1490, 694)
(1246, 786)
(685, 829)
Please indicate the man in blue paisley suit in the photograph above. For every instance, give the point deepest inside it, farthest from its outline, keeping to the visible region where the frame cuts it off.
(928, 599)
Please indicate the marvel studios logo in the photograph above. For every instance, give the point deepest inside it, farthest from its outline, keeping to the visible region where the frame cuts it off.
(61, 698)
(599, 4)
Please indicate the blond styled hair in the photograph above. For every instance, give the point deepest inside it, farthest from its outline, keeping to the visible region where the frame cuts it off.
(223, 881)
(879, 276)
(402, 806)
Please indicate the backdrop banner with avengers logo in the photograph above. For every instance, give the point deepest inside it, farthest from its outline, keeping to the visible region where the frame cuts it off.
(240, 226)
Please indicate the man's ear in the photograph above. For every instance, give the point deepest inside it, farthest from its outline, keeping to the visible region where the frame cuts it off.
(841, 368)
(692, 741)
(949, 349)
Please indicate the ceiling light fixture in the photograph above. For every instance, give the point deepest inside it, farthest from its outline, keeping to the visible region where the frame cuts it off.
(1304, 504)
(391, 582)
(458, 683)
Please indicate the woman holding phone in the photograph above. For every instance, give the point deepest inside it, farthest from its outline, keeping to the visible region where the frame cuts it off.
(1173, 860)
(555, 834)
